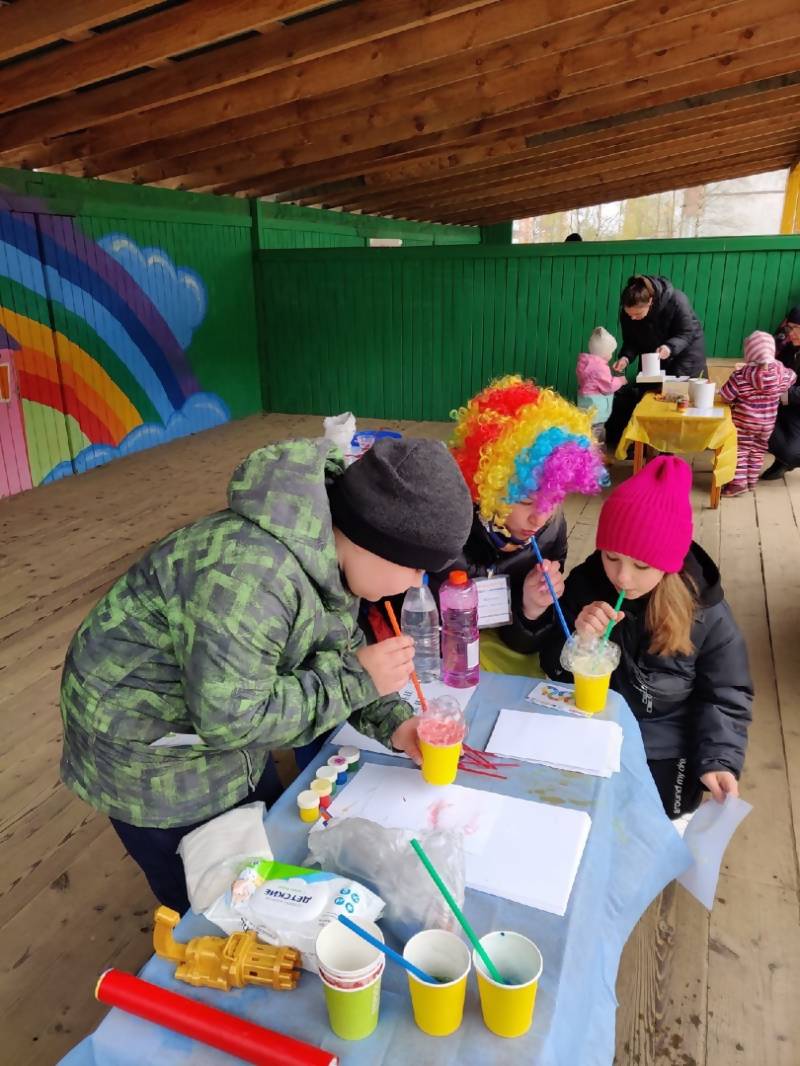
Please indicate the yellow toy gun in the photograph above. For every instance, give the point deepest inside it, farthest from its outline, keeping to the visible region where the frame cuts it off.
(225, 962)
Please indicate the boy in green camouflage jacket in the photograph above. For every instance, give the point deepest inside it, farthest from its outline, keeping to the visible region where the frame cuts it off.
(240, 632)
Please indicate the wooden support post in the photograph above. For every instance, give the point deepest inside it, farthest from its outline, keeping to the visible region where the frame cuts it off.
(638, 456)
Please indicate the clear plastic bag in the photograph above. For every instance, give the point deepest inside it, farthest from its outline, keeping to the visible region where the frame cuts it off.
(384, 860)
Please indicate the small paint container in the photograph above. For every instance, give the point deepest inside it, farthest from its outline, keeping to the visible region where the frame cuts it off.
(308, 805)
(351, 756)
(337, 763)
(328, 773)
(324, 790)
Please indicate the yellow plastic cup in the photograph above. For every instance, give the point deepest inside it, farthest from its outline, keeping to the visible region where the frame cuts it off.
(508, 1009)
(440, 762)
(438, 1009)
(591, 693)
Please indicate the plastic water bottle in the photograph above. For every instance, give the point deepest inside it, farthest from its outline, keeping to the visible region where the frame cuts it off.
(420, 619)
(458, 598)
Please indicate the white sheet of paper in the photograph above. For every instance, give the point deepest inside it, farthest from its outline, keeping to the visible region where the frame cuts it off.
(704, 412)
(349, 735)
(494, 601)
(707, 836)
(540, 874)
(586, 746)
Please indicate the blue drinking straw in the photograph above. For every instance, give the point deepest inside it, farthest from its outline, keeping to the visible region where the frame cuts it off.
(393, 955)
(556, 604)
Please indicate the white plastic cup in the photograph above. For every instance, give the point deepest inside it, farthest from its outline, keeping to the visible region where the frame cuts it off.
(701, 394)
(342, 953)
(651, 364)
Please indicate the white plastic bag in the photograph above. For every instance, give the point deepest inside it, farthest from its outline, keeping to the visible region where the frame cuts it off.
(340, 429)
(215, 852)
(385, 860)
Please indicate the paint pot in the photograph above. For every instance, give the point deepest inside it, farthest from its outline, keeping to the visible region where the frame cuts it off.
(328, 773)
(308, 805)
(651, 364)
(324, 789)
(352, 757)
(337, 763)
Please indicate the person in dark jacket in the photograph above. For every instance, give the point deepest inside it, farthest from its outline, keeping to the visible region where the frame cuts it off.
(655, 317)
(784, 443)
(521, 450)
(683, 668)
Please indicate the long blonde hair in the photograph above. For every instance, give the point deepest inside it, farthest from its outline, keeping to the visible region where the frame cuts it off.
(670, 614)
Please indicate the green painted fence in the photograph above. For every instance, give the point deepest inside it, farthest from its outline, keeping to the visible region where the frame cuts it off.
(411, 333)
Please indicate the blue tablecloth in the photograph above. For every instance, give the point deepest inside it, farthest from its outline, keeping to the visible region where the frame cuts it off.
(632, 853)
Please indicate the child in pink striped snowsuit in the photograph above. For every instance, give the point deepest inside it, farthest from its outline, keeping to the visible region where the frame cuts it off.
(754, 392)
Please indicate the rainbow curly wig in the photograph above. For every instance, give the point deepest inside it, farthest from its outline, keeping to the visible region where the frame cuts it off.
(515, 442)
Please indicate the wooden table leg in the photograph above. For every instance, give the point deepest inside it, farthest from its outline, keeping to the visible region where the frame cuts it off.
(638, 456)
(715, 489)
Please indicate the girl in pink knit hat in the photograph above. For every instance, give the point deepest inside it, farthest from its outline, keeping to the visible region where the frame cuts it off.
(683, 665)
(754, 392)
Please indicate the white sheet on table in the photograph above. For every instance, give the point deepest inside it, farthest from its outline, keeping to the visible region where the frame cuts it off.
(584, 745)
(516, 849)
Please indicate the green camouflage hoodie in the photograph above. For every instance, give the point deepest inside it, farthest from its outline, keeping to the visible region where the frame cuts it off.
(238, 629)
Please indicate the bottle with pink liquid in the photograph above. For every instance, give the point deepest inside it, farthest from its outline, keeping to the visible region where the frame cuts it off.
(458, 603)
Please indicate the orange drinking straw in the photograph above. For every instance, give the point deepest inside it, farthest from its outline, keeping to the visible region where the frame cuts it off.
(414, 679)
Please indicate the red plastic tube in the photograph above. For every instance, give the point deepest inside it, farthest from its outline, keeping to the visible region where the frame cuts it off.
(248, 1041)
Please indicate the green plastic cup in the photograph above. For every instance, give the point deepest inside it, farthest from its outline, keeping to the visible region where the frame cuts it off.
(353, 1013)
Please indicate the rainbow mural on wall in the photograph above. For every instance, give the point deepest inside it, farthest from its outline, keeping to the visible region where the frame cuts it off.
(93, 334)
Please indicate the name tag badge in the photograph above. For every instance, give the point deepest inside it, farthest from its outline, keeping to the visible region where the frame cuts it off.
(494, 601)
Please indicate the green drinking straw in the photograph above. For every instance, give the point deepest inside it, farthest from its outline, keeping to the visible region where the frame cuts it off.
(454, 907)
(610, 625)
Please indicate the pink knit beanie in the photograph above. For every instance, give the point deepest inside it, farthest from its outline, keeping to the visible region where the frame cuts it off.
(649, 516)
(759, 348)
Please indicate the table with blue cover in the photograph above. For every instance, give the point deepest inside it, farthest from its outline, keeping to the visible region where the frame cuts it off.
(632, 853)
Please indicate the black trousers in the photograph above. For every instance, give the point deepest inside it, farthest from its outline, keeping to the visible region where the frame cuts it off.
(155, 850)
(624, 402)
(678, 785)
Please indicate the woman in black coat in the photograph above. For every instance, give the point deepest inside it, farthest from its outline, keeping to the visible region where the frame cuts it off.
(784, 443)
(654, 317)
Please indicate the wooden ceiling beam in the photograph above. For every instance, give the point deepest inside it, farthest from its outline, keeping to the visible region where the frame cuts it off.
(450, 40)
(446, 111)
(648, 126)
(191, 25)
(31, 24)
(237, 112)
(329, 32)
(768, 61)
(591, 195)
(609, 153)
(630, 168)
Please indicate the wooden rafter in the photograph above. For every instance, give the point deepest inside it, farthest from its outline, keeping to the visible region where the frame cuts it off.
(238, 62)
(31, 24)
(181, 29)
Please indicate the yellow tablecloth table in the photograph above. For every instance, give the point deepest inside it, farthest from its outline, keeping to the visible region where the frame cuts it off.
(661, 426)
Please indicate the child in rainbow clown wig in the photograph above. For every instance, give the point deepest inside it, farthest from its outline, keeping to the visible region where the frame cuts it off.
(521, 449)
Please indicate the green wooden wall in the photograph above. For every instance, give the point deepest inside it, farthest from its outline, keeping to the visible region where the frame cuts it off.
(288, 226)
(411, 333)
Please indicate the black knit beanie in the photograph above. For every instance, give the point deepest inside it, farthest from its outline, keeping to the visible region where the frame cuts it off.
(406, 501)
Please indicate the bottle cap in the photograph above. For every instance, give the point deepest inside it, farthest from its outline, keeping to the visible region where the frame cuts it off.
(458, 577)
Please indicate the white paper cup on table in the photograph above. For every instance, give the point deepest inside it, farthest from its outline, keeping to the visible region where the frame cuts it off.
(701, 394)
(651, 364)
(343, 956)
